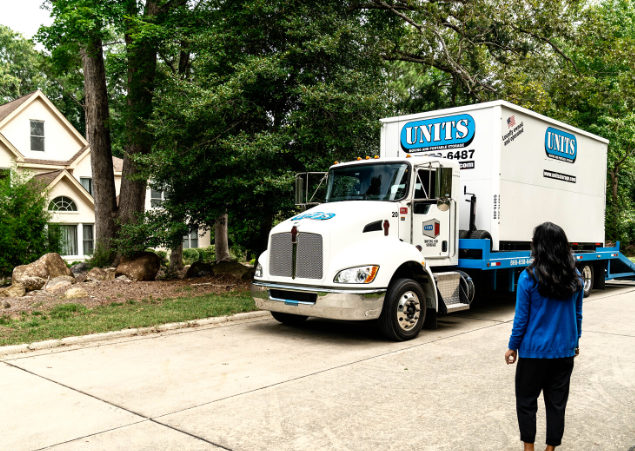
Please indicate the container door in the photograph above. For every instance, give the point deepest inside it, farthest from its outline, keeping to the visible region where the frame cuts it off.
(431, 226)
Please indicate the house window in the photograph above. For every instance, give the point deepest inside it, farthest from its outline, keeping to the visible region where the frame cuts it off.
(156, 198)
(69, 239)
(37, 135)
(87, 183)
(62, 203)
(88, 238)
(190, 240)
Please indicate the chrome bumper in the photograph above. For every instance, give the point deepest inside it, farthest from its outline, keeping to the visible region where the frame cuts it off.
(354, 305)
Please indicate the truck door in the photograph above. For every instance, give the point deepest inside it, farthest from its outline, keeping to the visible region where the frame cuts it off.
(431, 226)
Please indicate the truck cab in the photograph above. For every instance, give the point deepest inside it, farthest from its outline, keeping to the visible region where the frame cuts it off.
(374, 250)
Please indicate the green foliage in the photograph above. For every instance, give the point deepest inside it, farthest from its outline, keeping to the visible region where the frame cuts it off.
(26, 232)
(101, 258)
(190, 256)
(20, 65)
(207, 254)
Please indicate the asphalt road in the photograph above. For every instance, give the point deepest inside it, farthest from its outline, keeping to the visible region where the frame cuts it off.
(260, 385)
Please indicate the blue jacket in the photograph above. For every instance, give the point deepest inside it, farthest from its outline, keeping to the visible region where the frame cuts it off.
(545, 328)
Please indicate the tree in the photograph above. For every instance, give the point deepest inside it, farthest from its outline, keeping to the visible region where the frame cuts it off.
(26, 232)
(19, 66)
(276, 88)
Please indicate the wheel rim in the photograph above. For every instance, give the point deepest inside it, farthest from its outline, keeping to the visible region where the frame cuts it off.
(586, 274)
(408, 310)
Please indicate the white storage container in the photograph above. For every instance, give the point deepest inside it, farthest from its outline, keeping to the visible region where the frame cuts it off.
(524, 168)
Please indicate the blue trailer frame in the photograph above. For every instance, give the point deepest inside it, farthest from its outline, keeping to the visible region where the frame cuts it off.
(481, 258)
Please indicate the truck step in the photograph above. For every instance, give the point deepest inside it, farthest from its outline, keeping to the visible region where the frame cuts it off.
(457, 307)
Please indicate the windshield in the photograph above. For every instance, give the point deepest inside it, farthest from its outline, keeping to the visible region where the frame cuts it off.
(368, 182)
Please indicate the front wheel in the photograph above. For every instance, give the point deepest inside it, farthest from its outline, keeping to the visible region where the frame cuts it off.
(289, 319)
(586, 269)
(404, 310)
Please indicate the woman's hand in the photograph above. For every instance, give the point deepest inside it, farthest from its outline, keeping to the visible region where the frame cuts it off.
(577, 352)
(510, 356)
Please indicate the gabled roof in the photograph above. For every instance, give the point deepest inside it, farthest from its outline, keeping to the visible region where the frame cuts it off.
(58, 162)
(50, 179)
(9, 110)
(10, 107)
(18, 155)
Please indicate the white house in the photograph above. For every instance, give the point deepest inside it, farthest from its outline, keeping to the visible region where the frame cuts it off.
(36, 136)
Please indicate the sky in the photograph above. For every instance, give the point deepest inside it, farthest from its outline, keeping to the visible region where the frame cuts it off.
(24, 16)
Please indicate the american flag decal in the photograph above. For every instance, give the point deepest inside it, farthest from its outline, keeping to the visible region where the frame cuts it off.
(511, 121)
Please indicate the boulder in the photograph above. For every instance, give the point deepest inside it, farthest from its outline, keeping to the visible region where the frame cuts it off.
(142, 266)
(60, 282)
(111, 273)
(199, 269)
(79, 268)
(123, 278)
(97, 275)
(45, 267)
(249, 274)
(14, 291)
(76, 292)
(232, 268)
(6, 304)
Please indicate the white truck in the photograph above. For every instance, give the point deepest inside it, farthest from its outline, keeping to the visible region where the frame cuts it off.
(445, 211)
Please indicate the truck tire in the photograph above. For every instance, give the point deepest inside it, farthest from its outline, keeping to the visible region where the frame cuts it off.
(289, 319)
(586, 269)
(404, 310)
(464, 234)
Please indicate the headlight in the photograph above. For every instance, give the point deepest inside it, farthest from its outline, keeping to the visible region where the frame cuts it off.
(359, 274)
(258, 270)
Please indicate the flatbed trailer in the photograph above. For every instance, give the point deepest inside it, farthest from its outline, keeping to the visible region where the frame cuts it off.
(504, 267)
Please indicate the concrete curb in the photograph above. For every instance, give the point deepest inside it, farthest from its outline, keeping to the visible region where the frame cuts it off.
(68, 341)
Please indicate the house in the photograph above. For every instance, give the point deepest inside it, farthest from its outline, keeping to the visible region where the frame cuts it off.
(38, 138)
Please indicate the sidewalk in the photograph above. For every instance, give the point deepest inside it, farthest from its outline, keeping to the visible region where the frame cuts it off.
(259, 385)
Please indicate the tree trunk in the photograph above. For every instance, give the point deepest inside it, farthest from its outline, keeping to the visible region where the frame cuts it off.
(176, 258)
(221, 243)
(98, 135)
(142, 63)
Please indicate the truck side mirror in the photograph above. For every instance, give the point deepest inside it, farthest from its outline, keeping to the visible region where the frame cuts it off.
(444, 183)
(300, 197)
(443, 204)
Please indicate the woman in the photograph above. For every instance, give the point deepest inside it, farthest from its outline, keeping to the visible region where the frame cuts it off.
(546, 332)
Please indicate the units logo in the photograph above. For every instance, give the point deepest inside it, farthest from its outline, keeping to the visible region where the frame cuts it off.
(319, 216)
(561, 146)
(432, 228)
(450, 132)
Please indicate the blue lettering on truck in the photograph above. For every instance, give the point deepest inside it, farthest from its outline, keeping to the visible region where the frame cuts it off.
(450, 132)
(561, 146)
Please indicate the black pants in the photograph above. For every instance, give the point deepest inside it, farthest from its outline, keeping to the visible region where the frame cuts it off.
(552, 377)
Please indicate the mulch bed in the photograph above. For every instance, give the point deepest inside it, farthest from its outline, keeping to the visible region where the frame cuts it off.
(104, 293)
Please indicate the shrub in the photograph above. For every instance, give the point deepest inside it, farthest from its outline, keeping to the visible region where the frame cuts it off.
(26, 232)
(207, 255)
(163, 256)
(190, 256)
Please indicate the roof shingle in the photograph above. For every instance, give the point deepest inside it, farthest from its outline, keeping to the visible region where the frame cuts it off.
(10, 107)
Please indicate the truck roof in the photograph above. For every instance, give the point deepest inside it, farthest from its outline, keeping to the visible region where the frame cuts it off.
(415, 159)
(485, 105)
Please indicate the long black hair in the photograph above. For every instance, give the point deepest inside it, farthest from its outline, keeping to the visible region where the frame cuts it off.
(554, 265)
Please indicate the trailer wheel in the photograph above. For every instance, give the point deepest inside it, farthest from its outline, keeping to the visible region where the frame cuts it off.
(463, 234)
(586, 269)
(404, 310)
(289, 319)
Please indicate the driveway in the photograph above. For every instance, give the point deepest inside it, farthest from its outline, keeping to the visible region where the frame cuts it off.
(260, 385)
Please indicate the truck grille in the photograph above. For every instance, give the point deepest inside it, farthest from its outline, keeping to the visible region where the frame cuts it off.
(308, 257)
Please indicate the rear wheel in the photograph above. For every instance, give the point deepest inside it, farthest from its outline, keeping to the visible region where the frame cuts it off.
(404, 310)
(288, 318)
(586, 269)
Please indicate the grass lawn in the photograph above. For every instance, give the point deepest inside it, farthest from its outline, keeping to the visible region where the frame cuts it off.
(68, 320)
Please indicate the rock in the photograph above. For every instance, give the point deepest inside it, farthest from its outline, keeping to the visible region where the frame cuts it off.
(142, 266)
(6, 304)
(97, 275)
(47, 266)
(249, 274)
(199, 269)
(32, 283)
(76, 292)
(79, 268)
(123, 278)
(233, 268)
(60, 282)
(111, 273)
(14, 291)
